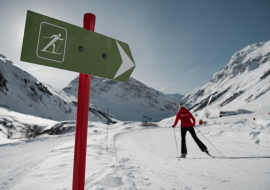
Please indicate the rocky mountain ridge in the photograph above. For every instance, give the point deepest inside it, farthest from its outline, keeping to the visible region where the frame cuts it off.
(131, 101)
(21, 92)
(243, 84)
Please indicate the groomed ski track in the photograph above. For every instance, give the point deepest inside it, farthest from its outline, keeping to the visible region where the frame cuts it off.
(140, 158)
(148, 158)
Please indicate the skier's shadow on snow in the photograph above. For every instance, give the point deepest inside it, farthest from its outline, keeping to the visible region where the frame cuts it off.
(248, 157)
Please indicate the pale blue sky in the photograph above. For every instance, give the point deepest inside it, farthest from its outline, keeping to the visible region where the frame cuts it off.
(177, 45)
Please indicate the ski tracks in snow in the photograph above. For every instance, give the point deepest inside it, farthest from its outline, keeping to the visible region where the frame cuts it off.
(145, 162)
(144, 157)
(139, 158)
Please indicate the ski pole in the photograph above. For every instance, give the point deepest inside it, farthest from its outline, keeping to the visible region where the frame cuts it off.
(176, 145)
(208, 140)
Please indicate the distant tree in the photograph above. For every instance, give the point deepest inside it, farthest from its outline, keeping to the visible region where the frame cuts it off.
(4, 123)
(31, 131)
(26, 131)
(36, 130)
(145, 123)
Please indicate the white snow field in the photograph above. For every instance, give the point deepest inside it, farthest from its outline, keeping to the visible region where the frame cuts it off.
(144, 158)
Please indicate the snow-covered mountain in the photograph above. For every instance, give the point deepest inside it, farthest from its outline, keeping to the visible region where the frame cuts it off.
(22, 92)
(243, 84)
(131, 101)
(176, 95)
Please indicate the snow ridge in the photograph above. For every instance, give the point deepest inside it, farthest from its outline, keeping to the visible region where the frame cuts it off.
(22, 92)
(131, 101)
(244, 83)
(176, 95)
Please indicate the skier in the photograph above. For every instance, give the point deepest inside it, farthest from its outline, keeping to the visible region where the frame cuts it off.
(185, 116)
(55, 38)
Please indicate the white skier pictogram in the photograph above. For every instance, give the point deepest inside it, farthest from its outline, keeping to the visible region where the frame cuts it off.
(52, 43)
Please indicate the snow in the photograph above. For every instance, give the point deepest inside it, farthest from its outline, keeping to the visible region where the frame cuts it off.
(145, 158)
(4, 140)
(243, 84)
(24, 119)
(131, 101)
(19, 120)
(22, 92)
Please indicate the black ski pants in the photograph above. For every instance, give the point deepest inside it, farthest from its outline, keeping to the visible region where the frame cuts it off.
(193, 134)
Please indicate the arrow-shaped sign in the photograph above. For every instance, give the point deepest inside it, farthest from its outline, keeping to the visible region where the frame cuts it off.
(127, 62)
(58, 44)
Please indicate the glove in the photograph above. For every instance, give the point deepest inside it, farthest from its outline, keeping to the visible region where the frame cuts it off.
(172, 126)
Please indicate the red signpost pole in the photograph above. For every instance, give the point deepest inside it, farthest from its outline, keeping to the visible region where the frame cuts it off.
(82, 118)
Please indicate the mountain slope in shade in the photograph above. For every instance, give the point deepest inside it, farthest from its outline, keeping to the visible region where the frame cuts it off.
(176, 95)
(243, 84)
(21, 92)
(131, 101)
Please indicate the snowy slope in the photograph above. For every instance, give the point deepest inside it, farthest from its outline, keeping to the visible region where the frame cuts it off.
(22, 92)
(144, 158)
(16, 122)
(131, 101)
(242, 86)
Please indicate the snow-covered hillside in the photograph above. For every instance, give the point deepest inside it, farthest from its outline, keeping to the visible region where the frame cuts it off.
(131, 101)
(13, 125)
(22, 92)
(242, 86)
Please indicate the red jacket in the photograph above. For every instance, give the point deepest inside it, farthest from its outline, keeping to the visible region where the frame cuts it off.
(184, 115)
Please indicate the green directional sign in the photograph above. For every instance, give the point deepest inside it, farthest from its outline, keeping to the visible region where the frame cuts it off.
(58, 44)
